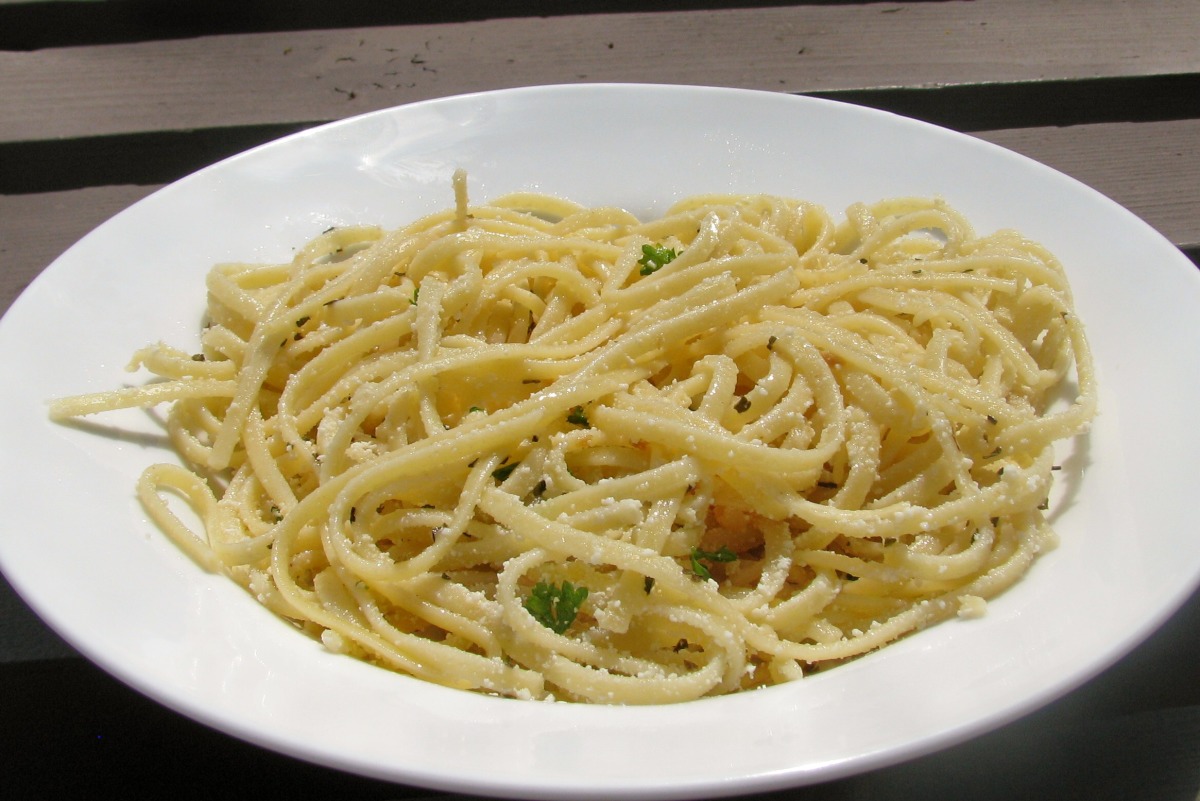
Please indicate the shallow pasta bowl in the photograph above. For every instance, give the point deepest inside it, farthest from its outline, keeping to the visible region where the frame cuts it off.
(80, 550)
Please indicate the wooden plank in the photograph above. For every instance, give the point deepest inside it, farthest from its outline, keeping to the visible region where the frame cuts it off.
(1152, 169)
(36, 229)
(313, 76)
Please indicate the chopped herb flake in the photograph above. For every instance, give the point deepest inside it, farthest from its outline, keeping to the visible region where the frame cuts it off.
(700, 556)
(577, 417)
(504, 471)
(555, 607)
(655, 257)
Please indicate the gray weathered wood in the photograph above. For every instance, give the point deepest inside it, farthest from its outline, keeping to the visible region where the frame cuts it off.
(322, 75)
(1153, 169)
(36, 229)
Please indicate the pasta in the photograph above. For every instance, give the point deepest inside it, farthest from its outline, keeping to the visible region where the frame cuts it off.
(554, 452)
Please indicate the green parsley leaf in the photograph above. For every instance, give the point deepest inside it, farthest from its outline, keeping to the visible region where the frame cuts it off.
(655, 257)
(699, 557)
(578, 417)
(555, 607)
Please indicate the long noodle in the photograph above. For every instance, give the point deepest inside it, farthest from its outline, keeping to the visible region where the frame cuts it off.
(759, 440)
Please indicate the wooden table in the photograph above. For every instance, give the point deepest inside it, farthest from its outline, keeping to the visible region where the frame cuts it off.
(106, 101)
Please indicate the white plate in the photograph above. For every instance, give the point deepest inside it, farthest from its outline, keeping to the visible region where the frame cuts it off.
(77, 546)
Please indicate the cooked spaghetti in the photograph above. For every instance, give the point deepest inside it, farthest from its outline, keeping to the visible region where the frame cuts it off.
(548, 451)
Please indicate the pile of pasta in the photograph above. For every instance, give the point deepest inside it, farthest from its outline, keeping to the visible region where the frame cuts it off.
(554, 452)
